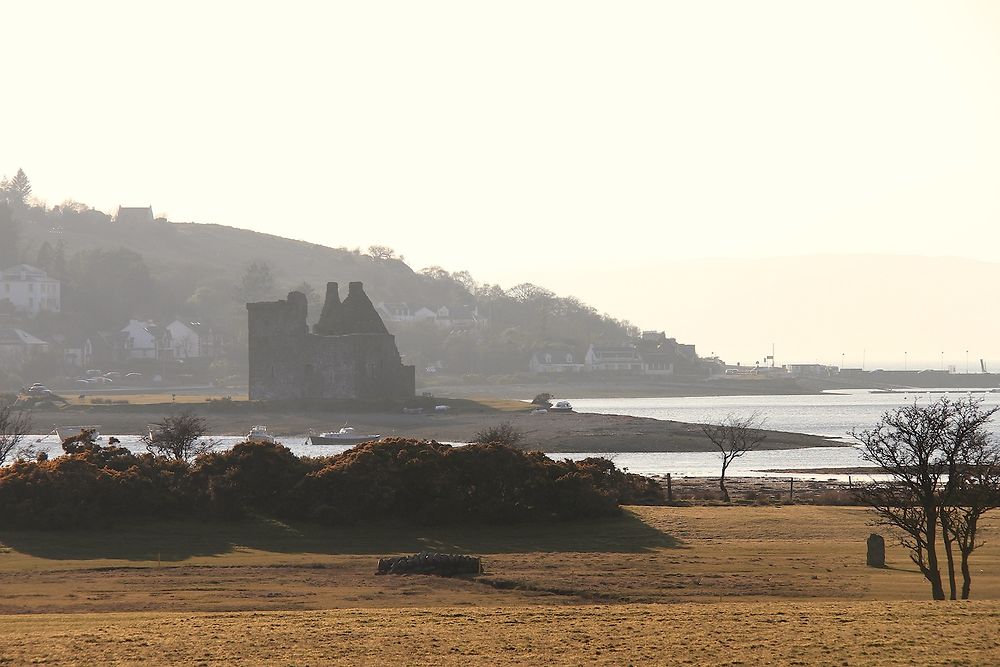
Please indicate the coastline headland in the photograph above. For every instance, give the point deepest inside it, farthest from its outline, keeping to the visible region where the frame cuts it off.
(551, 432)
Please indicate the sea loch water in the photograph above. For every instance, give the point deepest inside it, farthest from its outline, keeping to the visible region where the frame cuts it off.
(832, 415)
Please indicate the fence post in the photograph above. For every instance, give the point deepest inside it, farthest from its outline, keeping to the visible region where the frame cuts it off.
(670, 489)
(791, 490)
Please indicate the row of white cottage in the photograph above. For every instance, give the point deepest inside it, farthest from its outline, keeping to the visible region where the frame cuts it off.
(177, 340)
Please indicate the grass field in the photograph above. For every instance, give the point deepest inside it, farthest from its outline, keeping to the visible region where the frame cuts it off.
(740, 633)
(732, 585)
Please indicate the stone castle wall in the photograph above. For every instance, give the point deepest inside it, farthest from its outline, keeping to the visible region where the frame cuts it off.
(350, 354)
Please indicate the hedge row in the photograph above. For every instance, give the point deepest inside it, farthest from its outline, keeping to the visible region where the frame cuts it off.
(392, 479)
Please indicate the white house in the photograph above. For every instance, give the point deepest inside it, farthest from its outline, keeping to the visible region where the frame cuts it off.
(17, 347)
(424, 313)
(189, 340)
(613, 358)
(555, 361)
(30, 290)
(140, 340)
(394, 312)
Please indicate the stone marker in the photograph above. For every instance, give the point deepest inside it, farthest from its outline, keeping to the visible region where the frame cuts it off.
(876, 551)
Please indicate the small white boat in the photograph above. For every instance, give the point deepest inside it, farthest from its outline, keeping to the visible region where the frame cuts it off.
(260, 434)
(65, 432)
(345, 436)
(561, 406)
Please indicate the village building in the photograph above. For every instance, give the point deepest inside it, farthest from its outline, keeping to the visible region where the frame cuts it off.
(445, 317)
(348, 355)
(84, 352)
(190, 340)
(810, 370)
(651, 354)
(618, 358)
(140, 340)
(18, 347)
(133, 215)
(665, 356)
(30, 290)
(555, 361)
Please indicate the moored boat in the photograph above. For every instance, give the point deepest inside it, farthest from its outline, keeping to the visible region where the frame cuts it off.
(65, 432)
(345, 436)
(260, 434)
(561, 406)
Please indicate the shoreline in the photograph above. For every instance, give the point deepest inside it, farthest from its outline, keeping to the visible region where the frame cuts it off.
(550, 432)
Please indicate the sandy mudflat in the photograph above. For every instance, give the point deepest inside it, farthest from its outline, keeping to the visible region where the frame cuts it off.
(549, 432)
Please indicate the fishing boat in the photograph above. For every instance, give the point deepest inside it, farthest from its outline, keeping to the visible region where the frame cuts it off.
(65, 432)
(260, 434)
(345, 436)
(561, 406)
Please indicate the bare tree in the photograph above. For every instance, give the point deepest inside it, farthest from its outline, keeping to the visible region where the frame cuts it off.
(973, 490)
(14, 426)
(734, 435)
(504, 434)
(180, 436)
(942, 469)
(381, 252)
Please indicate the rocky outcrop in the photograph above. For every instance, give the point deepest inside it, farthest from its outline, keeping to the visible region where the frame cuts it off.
(443, 565)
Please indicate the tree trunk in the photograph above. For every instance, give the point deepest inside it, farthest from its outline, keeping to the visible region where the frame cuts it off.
(722, 486)
(949, 541)
(966, 575)
(933, 572)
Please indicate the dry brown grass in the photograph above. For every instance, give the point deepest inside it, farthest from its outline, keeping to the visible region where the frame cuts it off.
(723, 585)
(803, 633)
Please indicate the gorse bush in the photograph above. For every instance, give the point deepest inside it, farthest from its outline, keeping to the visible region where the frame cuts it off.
(395, 479)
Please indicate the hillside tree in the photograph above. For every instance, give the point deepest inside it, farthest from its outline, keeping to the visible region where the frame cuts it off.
(17, 190)
(381, 252)
(10, 237)
(257, 283)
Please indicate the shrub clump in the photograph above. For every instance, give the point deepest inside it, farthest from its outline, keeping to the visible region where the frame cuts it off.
(395, 479)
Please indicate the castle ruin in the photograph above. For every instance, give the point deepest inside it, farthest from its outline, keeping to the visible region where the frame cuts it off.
(349, 354)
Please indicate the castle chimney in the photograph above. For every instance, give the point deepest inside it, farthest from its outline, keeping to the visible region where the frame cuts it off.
(330, 320)
(360, 315)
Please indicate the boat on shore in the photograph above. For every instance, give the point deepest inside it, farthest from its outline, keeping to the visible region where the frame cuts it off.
(259, 434)
(561, 406)
(345, 436)
(66, 432)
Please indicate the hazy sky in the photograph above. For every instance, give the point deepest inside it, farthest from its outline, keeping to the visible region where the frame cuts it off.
(563, 143)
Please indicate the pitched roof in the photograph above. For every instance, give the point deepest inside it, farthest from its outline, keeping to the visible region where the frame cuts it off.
(12, 336)
(134, 214)
(196, 327)
(31, 273)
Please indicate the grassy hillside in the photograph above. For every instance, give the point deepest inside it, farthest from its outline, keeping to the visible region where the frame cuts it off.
(158, 271)
(205, 252)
